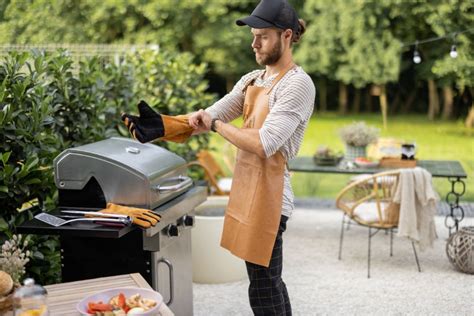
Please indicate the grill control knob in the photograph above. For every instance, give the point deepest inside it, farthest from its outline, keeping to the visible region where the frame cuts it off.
(186, 221)
(172, 231)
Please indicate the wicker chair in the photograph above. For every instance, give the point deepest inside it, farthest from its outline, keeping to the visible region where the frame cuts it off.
(368, 202)
(219, 184)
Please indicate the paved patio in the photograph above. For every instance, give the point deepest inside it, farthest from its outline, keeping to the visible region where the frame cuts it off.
(319, 284)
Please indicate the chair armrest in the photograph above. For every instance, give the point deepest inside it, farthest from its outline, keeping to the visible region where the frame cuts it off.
(209, 176)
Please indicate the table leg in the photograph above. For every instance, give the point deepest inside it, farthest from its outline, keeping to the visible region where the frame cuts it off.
(456, 215)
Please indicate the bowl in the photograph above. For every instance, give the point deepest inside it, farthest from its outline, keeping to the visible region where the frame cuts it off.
(327, 160)
(106, 295)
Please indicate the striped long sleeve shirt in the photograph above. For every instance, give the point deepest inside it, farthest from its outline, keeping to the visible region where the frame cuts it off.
(291, 104)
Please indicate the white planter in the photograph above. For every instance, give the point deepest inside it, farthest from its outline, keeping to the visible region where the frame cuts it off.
(353, 152)
(211, 262)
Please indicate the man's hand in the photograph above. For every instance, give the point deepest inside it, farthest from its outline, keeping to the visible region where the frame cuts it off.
(200, 121)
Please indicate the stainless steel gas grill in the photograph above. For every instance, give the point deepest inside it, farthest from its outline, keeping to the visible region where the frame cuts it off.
(119, 170)
(125, 172)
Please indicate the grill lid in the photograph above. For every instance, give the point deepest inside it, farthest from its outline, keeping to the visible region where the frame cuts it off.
(127, 172)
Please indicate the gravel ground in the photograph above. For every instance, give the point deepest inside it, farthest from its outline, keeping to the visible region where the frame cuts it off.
(319, 284)
(316, 204)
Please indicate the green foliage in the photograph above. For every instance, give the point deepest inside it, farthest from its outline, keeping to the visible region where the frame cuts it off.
(174, 25)
(350, 42)
(28, 143)
(354, 42)
(49, 103)
(448, 18)
(172, 84)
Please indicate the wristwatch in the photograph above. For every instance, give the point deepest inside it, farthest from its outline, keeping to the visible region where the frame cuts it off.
(213, 125)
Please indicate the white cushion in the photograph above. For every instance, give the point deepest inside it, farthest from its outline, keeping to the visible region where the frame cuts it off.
(389, 180)
(368, 211)
(225, 184)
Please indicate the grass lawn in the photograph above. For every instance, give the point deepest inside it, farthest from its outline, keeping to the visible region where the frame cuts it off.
(434, 140)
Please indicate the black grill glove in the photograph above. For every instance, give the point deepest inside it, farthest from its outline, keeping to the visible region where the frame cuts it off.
(146, 127)
(151, 125)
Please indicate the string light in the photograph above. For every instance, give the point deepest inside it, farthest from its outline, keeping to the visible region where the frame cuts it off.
(416, 55)
(453, 52)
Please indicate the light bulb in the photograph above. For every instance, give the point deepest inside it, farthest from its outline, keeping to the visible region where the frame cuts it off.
(416, 57)
(453, 53)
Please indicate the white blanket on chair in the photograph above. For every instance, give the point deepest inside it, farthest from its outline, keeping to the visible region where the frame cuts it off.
(417, 200)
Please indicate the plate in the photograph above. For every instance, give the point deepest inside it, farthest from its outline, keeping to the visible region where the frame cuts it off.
(371, 164)
(106, 295)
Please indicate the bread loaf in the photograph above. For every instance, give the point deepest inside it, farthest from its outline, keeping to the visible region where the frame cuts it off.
(6, 283)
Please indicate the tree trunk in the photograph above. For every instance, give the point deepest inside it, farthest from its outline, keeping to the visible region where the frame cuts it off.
(342, 98)
(383, 105)
(395, 104)
(368, 101)
(433, 106)
(356, 102)
(323, 105)
(470, 118)
(447, 102)
(409, 102)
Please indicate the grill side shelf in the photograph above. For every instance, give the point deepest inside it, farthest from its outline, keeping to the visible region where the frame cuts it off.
(170, 212)
(37, 227)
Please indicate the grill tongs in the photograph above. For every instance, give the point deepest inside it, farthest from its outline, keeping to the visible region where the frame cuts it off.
(97, 217)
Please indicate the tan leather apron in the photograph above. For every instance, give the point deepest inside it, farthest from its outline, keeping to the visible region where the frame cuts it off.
(253, 214)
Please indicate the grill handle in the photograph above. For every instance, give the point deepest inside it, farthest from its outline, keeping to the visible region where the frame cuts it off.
(184, 182)
(170, 268)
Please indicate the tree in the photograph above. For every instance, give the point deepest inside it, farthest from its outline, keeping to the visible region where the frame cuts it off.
(430, 20)
(351, 42)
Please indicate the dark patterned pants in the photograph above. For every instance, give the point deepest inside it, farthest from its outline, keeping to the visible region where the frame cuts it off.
(267, 291)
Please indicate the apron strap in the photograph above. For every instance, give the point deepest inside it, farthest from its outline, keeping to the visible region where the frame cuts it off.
(280, 75)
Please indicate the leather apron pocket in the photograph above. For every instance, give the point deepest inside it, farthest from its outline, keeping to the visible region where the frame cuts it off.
(244, 187)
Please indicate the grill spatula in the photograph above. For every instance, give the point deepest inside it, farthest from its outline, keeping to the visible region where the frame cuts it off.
(57, 221)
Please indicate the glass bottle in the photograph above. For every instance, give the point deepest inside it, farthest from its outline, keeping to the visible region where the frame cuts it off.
(30, 300)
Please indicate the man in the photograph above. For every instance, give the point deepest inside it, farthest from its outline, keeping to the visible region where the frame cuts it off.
(276, 104)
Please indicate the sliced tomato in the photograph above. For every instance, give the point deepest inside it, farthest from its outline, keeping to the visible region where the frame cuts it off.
(100, 307)
(122, 301)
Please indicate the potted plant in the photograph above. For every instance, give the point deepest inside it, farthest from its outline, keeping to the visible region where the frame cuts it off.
(356, 137)
(325, 156)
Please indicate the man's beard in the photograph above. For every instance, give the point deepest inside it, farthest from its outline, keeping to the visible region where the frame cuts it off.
(273, 56)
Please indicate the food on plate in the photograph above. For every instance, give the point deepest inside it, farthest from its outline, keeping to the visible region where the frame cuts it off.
(363, 160)
(136, 311)
(120, 305)
(366, 162)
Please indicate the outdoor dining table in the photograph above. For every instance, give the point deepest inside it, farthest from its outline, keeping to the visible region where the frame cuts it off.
(450, 169)
(63, 297)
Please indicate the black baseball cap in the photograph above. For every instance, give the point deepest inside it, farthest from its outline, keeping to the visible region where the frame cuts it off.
(272, 13)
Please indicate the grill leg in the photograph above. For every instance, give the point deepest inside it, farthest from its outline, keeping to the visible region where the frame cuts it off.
(342, 235)
(391, 242)
(416, 256)
(368, 255)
